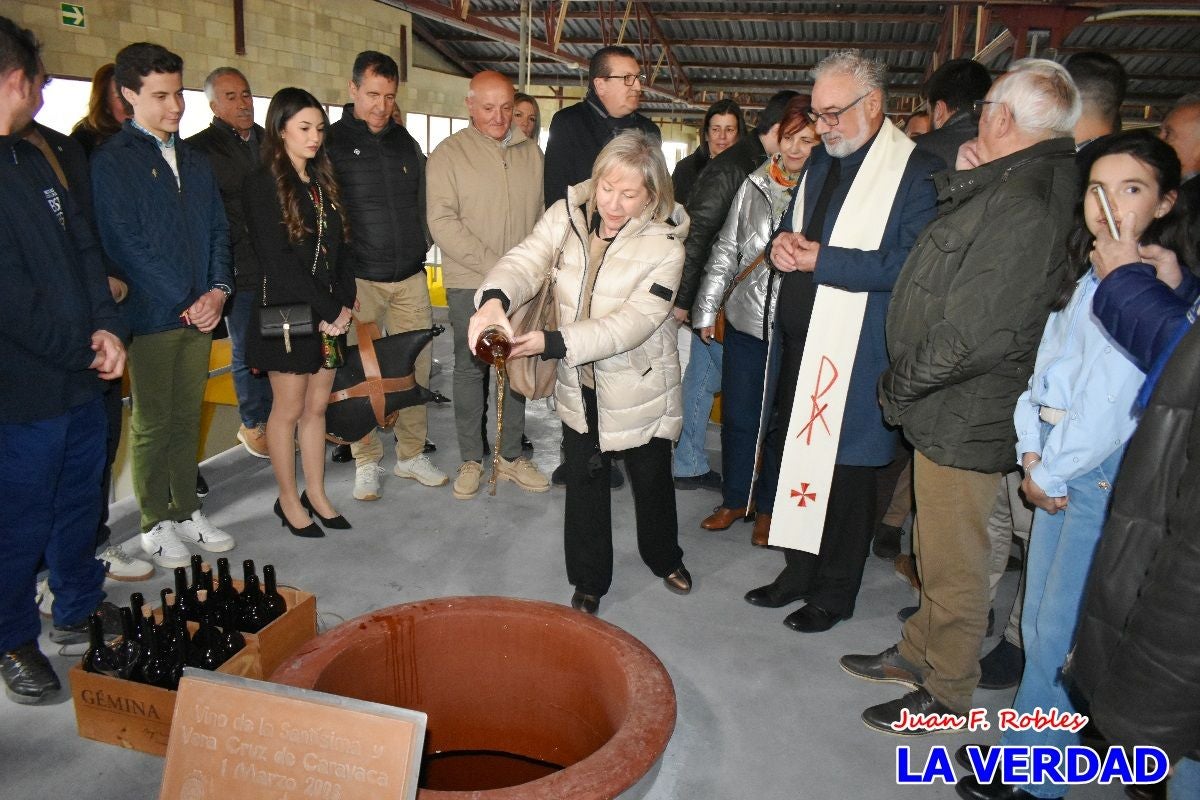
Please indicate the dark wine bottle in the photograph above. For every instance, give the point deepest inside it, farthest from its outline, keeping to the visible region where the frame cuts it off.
(174, 626)
(207, 649)
(185, 601)
(99, 658)
(156, 666)
(224, 594)
(234, 641)
(253, 614)
(128, 650)
(164, 626)
(273, 600)
(178, 662)
(201, 577)
(137, 604)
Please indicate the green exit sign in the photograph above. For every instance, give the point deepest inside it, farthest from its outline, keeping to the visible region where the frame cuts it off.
(72, 15)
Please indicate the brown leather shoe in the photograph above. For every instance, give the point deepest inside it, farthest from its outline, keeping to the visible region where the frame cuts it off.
(762, 528)
(906, 567)
(722, 518)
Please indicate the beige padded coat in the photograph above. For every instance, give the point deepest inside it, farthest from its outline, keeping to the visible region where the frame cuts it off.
(628, 336)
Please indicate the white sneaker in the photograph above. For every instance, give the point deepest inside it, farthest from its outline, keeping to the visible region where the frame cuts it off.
(44, 598)
(366, 482)
(162, 544)
(202, 533)
(420, 469)
(120, 566)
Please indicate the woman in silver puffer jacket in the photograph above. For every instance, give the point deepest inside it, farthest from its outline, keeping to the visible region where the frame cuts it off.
(754, 215)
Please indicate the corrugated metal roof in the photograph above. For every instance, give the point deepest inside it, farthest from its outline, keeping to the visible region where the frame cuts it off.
(750, 49)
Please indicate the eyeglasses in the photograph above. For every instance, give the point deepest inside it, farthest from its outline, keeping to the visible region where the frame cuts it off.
(977, 106)
(629, 79)
(831, 118)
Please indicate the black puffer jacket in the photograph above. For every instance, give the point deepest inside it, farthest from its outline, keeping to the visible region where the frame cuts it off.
(971, 303)
(382, 178)
(708, 206)
(1137, 650)
(687, 171)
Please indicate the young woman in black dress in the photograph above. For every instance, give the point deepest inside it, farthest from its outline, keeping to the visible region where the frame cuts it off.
(296, 223)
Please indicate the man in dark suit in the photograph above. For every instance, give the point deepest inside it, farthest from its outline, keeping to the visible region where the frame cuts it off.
(579, 132)
(232, 144)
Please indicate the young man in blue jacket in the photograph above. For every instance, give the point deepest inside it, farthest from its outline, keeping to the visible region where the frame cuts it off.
(63, 339)
(162, 220)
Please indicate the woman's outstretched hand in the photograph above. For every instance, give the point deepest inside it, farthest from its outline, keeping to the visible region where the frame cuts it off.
(490, 313)
(529, 344)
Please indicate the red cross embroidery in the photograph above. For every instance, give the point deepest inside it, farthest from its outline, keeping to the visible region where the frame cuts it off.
(805, 495)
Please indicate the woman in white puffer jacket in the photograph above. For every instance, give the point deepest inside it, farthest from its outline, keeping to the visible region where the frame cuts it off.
(621, 238)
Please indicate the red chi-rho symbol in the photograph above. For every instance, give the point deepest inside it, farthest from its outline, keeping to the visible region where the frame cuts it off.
(805, 495)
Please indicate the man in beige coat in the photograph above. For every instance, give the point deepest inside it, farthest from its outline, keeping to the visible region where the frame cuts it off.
(483, 196)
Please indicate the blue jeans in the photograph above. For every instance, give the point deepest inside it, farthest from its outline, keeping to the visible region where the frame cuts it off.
(701, 380)
(50, 481)
(1061, 547)
(742, 368)
(1185, 780)
(253, 392)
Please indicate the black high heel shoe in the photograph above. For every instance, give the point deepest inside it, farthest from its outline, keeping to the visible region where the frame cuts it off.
(309, 532)
(337, 523)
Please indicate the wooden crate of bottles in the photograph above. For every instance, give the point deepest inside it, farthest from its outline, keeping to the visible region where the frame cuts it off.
(138, 715)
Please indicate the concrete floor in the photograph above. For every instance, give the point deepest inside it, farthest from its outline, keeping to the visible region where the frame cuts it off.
(763, 712)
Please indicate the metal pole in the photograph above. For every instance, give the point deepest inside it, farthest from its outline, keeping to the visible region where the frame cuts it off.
(525, 56)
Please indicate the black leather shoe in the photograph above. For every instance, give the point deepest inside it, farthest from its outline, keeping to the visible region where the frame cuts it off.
(886, 667)
(971, 789)
(430, 447)
(110, 618)
(28, 676)
(917, 702)
(906, 612)
(341, 453)
(526, 445)
(813, 619)
(709, 480)
(774, 595)
(964, 760)
(587, 603)
(559, 476)
(1002, 667)
(679, 581)
(337, 523)
(440, 398)
(310, 531)
(201, 485)
(887, 541)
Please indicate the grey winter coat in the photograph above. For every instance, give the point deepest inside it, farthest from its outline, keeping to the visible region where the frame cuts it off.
(971, 303)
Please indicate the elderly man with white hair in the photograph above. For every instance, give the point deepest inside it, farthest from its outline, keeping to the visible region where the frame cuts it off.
(857, 211)
(967, 314)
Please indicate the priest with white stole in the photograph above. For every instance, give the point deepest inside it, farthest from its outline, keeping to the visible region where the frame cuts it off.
(865, 196)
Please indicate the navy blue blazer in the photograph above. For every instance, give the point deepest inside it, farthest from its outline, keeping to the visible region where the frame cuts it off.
(866, 440)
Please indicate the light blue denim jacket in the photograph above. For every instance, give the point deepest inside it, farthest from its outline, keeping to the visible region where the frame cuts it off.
(1083, 371)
